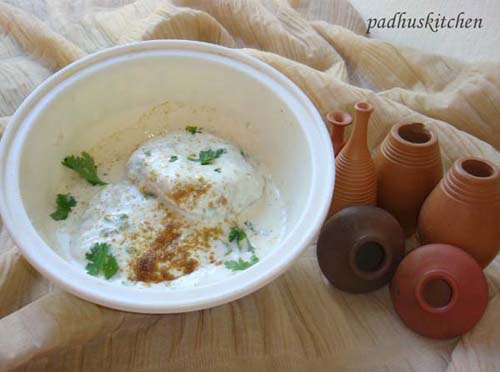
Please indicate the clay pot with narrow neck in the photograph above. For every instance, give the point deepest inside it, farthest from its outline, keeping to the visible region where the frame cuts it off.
(355, 178)
(408, 165)
(464, 210)
(439, 291)
(339, 121)
(359, 248)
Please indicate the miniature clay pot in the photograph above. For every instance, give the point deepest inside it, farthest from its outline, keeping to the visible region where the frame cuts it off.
(355, 178)
(359, 248)
(408, 165)
(464, 210)
(339, 121)
(439, 291)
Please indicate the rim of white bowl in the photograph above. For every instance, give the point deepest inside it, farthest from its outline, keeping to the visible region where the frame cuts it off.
(96, 290)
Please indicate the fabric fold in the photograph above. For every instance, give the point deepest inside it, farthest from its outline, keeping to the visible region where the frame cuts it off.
(54, 321)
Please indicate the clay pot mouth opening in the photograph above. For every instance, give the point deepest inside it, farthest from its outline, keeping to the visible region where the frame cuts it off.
(437, 292)
(478, 168)
(363, 107)
(370, 259)
(339, 118)
(415, 133)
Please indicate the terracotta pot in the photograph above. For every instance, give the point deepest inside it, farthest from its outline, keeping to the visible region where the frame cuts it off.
(339, 121)
(359, 248)
(408, 165)
(355, 179)
(464, 210)
(439, 291)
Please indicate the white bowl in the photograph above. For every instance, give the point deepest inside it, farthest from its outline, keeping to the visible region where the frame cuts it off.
(235, 95)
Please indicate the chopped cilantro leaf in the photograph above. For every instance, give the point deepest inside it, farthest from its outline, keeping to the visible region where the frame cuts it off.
(101, 261)
(218, 170)
(241, 264)
(173, 158)
(85, 166)
(64, 204)
(238, 235)
(193, 130)
(206, 157)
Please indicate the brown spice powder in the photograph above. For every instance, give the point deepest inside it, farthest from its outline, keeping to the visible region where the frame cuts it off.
(189, 192)
(172, 253)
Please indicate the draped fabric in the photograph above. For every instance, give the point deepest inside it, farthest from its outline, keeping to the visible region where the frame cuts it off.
(299, 322)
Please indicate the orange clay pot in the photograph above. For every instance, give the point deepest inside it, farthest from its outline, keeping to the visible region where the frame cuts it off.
(439, 291)
(464, 210)
(339, 121)
(408, 165)
(355, 179)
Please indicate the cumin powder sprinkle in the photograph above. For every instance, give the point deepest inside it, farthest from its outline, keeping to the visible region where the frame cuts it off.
(189, 192)
(173, 253)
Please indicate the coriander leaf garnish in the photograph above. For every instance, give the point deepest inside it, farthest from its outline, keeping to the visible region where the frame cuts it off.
(64, 204)
(101, 261)
(241, 264)
(173, 158)
(238, 235)
(193, 130)
(218, 170)
(85, 166)
(206, 157)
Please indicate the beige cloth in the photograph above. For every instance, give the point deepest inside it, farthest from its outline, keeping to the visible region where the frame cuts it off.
(299, 322)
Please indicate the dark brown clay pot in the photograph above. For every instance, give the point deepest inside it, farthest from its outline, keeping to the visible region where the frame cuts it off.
(339, 121)
(359, 248)
(409, 166)
(355, 178)
(439, 291)
(464, 210)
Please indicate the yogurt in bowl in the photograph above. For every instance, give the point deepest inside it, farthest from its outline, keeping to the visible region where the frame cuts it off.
(212, 174)
(186, 208)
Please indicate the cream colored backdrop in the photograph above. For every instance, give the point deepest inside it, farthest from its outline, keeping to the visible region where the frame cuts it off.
(299, 322)
(473, 45)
